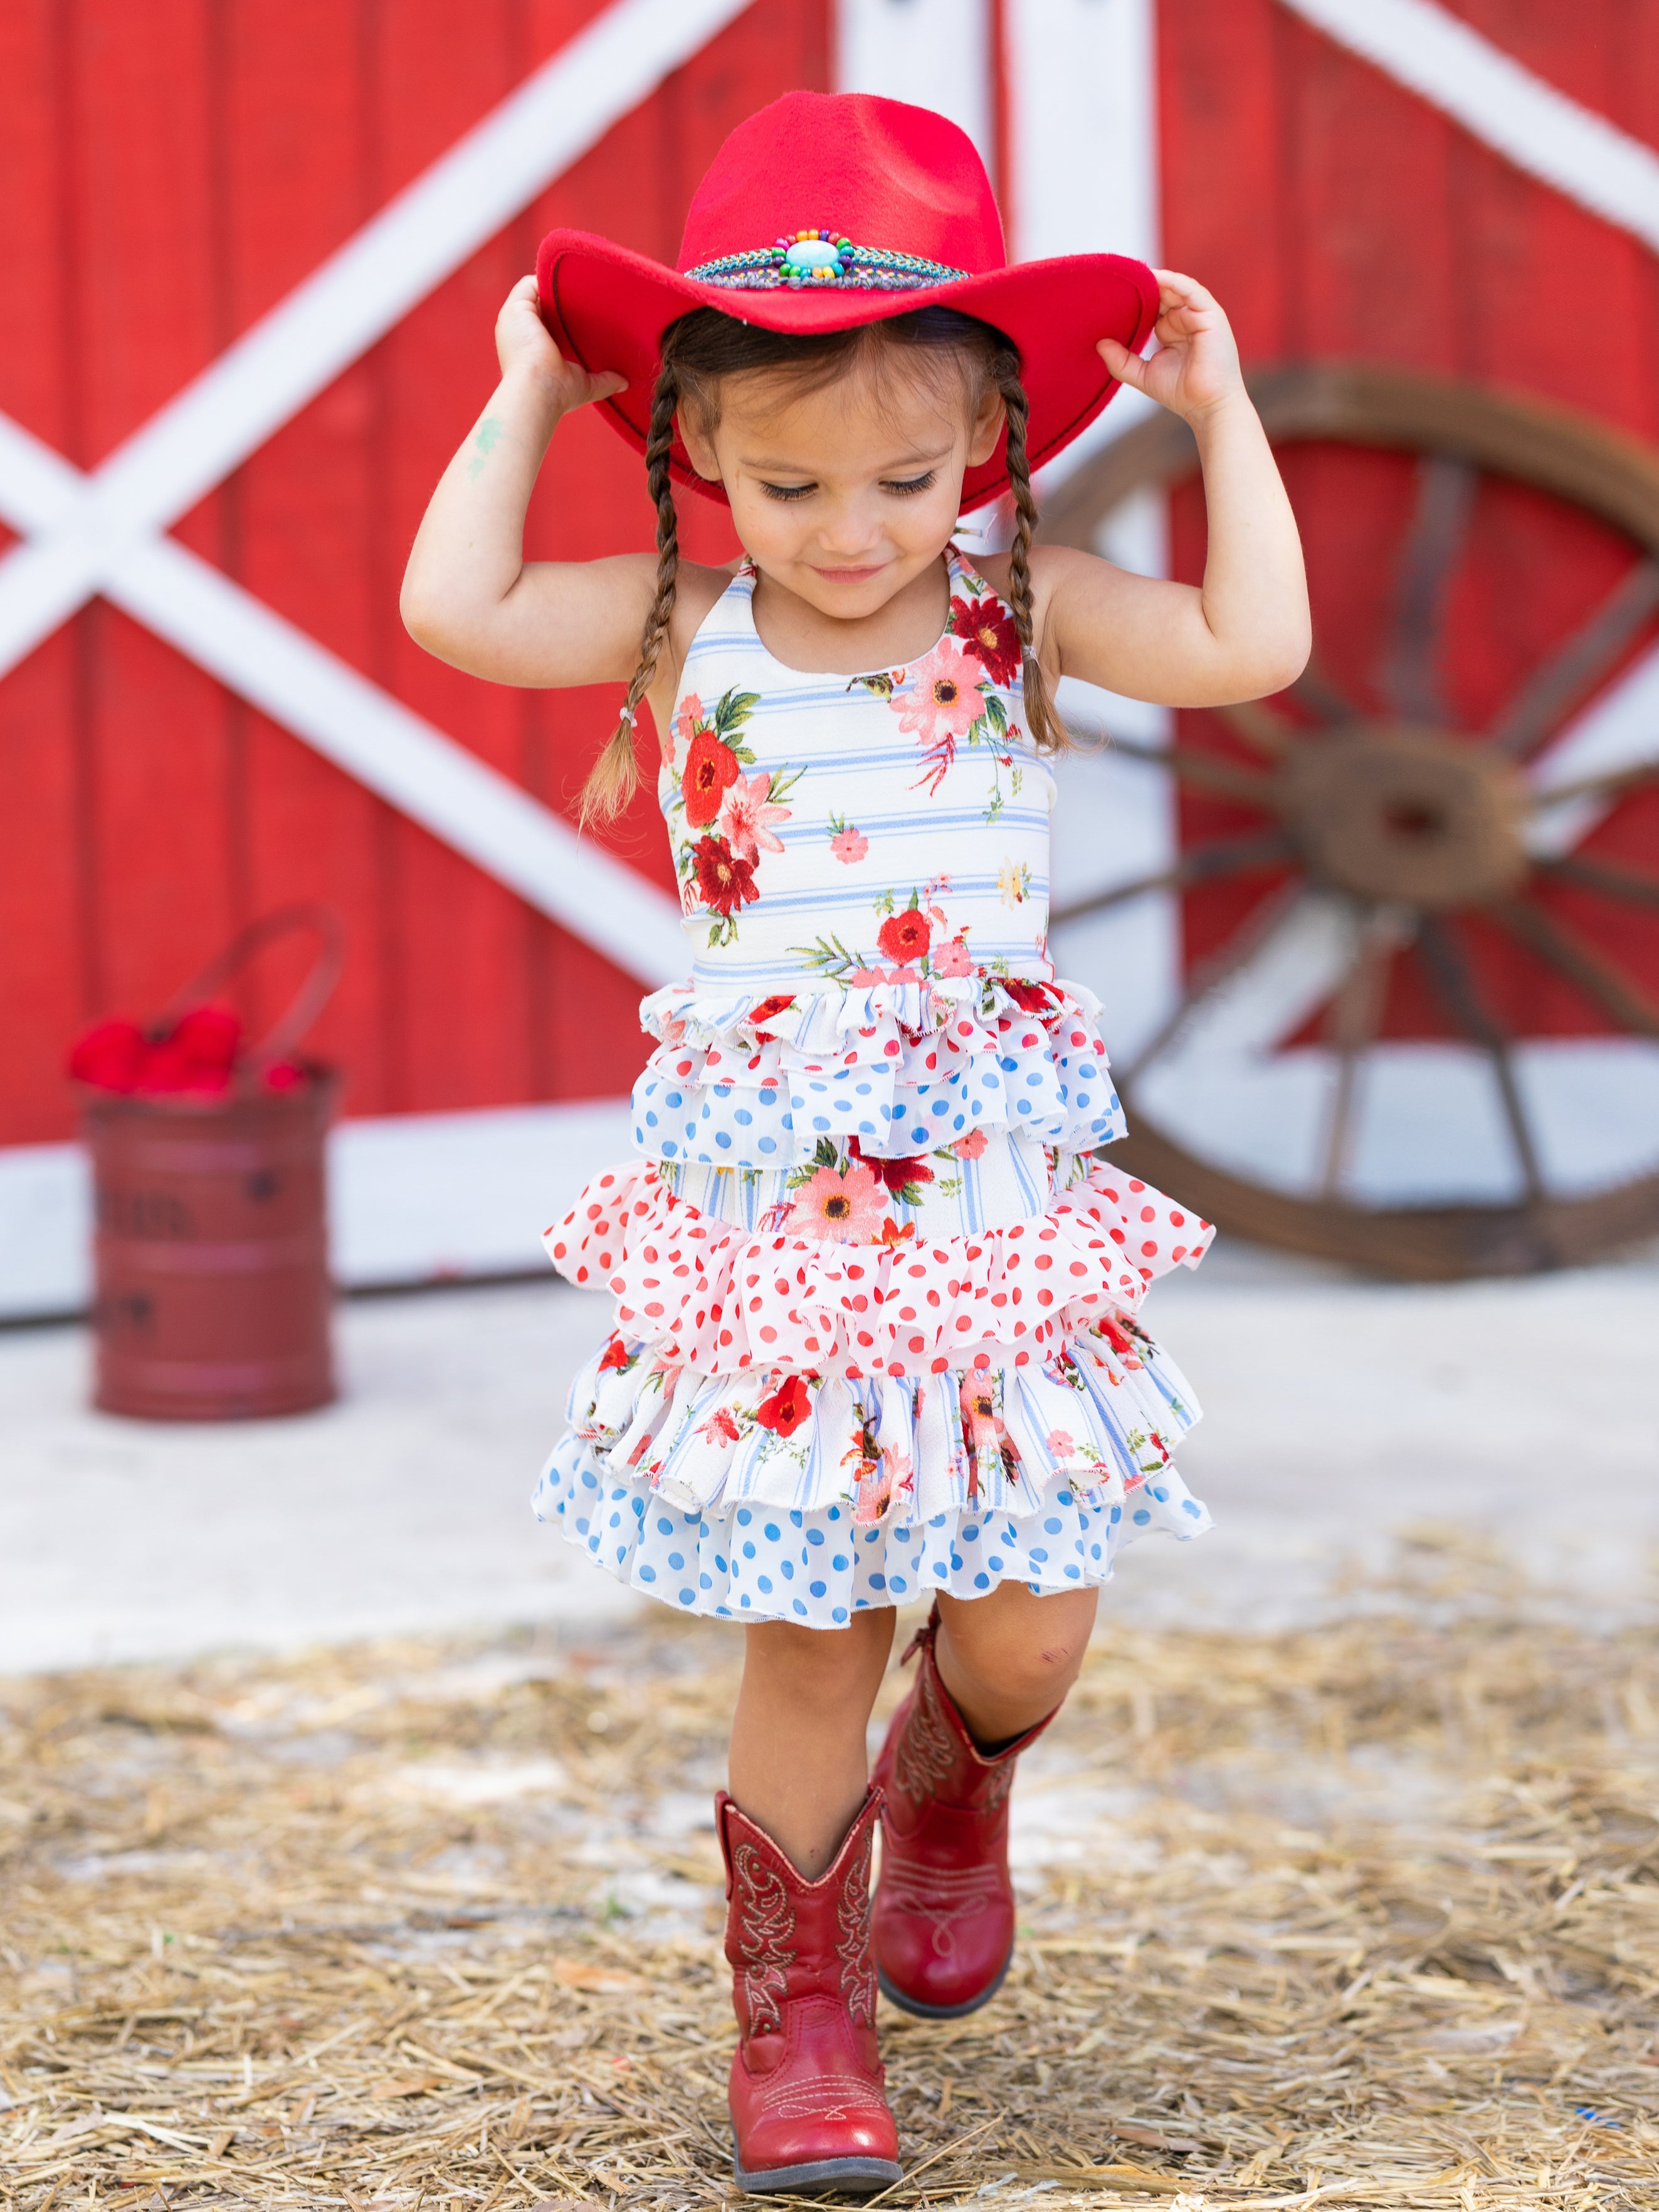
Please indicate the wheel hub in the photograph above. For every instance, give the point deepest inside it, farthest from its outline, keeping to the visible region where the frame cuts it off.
(1406, 816)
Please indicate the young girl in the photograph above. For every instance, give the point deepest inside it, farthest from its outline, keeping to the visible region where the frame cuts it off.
(876, 1290)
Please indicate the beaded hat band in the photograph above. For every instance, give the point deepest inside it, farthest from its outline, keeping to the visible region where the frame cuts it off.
(810, 259)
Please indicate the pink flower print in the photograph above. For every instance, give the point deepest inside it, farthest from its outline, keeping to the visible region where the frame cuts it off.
(840, 1208)
(1062, 1444)
(847, 844)
(864, 976)
(953, 958)
(942, 699)
(720, 1428)
(682, 730)
(745, 816)
(971, 1147)
(905, 974)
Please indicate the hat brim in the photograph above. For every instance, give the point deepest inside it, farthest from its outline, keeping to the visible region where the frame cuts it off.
(607, 308)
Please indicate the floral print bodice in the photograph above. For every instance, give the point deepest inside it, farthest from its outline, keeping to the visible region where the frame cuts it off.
(863, 863)
(883, 830)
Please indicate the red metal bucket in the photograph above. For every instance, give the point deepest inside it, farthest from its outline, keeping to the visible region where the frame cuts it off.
(213, 1299)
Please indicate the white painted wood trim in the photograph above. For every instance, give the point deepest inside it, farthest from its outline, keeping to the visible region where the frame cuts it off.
(375, 739)
(98, 532)
(413, 1198)
(1517, 114)
(933, 53)
(330, 321)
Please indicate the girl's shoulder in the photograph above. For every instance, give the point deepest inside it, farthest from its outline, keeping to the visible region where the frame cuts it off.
(699, 590)
(1049, 564)
(1052, 568)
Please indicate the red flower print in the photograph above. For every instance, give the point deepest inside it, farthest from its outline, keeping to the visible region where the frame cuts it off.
(769, 1009)
(905, 936)
(895, 1174)
(725, 881)
(787, 1406)
(711, 769)
(1032, 997)
(616, 1355)
(989, 633)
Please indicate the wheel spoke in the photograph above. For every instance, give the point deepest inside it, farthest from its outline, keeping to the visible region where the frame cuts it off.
(1410, 675)
(1612, 784)
(1581, 962)
(1321, 698)
(1208, 770)
(1356, 1017)
(1210, 974)
(1532, 717)
(1453, 984)
(1226, 856)
(1603, 876)
(1261, 726)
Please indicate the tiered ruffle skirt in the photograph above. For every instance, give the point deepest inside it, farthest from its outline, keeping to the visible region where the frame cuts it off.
(789, 1426)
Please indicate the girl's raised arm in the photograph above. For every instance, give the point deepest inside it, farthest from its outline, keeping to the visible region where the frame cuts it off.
(1245, 631)
(468, 595)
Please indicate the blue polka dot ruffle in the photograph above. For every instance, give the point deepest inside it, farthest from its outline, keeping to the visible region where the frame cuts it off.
(903, 1068)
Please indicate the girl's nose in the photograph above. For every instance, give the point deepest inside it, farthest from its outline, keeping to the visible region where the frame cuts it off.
(850, 539)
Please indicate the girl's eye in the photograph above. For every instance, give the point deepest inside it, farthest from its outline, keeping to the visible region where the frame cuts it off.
(905, 485)
(786, 491)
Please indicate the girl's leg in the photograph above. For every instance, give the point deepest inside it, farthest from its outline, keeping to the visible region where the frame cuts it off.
(990, 1673)
(798, 1764)
(1008, 1659)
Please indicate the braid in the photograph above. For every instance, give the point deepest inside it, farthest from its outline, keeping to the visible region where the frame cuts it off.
(1047, 731)
(615, 777)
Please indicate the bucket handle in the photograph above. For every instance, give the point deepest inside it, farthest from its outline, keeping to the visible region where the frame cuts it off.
(313, 995)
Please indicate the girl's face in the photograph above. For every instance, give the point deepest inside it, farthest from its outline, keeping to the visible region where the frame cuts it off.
(845, 495)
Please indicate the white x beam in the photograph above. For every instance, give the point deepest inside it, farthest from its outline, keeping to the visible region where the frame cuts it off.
(101, 533)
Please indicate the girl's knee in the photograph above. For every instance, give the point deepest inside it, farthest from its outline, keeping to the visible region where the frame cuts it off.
(1025, 1653)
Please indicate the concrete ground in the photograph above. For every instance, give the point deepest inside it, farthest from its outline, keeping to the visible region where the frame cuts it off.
(1339, 1413)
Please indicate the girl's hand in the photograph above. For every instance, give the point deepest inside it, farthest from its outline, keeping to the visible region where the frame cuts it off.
(1196, 367)
(524, 349)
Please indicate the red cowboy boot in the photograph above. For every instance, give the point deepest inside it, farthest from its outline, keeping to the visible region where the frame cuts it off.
(807, 2083)
(944, 1907)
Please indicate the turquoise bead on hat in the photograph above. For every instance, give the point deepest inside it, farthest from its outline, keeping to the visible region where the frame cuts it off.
(810, 253)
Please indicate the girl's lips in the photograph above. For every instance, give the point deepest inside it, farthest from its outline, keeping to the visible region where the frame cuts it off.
(850, 575)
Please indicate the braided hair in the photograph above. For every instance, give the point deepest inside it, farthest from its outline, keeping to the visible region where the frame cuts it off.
(615, 777)
(705, 346)
(1049, 732)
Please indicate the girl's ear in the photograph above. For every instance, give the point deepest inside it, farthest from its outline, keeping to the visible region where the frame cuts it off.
(699, 446)
(986, 427)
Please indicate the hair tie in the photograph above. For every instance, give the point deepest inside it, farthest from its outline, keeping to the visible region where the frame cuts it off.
(628, 714)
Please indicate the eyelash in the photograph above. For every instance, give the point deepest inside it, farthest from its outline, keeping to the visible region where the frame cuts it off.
(905, 487)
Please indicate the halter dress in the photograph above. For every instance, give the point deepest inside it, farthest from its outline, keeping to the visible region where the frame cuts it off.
(877, 1296)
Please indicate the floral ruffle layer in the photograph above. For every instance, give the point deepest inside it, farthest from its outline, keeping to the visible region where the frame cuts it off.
(743, 1079)
(769, 1495)
(713, 1297)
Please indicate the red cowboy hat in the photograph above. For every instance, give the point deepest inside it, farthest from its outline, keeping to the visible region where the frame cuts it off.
(828, 210)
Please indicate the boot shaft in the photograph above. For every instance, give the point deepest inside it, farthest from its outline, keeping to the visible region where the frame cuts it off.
(931, 1761)
(788, 1939)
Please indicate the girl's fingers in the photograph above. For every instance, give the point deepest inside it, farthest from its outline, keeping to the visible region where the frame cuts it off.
(1127, 367)
(1174, 285)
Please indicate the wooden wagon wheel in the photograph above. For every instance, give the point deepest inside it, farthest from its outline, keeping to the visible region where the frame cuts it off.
(1390, 831)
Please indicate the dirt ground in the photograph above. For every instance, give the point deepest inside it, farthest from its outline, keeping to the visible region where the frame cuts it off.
(1363, 1913)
